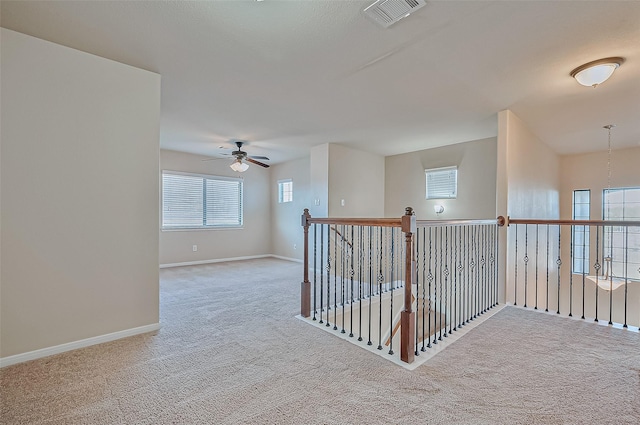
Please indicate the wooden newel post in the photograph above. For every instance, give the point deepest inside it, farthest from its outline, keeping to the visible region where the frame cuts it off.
(407, 317)
(305, 286)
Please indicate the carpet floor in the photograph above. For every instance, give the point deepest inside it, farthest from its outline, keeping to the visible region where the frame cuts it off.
(230, 351)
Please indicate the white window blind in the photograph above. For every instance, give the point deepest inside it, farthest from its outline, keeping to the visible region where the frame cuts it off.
(285, 191)
(442, 183)
(200, 201)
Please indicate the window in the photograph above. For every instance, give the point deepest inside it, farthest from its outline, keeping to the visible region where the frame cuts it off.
(285, 191)
(622, 244)
(580, 234)
(442, 183)
(200, 201)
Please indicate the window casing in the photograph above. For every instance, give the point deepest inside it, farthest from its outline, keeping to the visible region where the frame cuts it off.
(580, 234)
(200, 201)
(285, 191)
(620, 243)
(442, 183)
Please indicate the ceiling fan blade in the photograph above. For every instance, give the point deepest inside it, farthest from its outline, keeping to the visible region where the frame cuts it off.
(253, 161)
(264, 158)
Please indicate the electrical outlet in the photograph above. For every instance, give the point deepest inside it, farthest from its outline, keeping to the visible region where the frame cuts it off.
(295, 246)
(342, 202)
(195, 248)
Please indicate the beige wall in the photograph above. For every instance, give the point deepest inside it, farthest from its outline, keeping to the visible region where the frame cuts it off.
(528, 183)
(589, 171)
(476, 162)
(287, 237)
(79, 195)
(253, 239)
(357, 178)
(319, 180)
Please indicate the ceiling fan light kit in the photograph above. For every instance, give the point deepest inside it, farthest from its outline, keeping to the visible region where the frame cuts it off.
(240, 163)
(239, 166)
(597, 72)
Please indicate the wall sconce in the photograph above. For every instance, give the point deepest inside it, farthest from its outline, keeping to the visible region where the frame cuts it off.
(439, 209)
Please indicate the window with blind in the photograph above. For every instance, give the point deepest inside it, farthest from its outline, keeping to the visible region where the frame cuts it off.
(442, 183)
(197, 201)
(285, 191)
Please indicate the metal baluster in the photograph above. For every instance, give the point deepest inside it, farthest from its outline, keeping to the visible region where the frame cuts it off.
(559, 263)
(460, 318)
(454, 265)
(441, 275)
(424, 282)
(494, 264)
(596, 266)
(371, 268)
(484, 274)
(435, 287)
(417, 273)
(536, 304)
(335, 280)
(447, 307)
(585, 240)
(571, 273)
(352, 273)
(360, 283)
(547, 306)
(610, 273)
(328, 273)
(476, 272)
(391, 294)
(321, 270)
(468, 275)
(343, 260)
(526, 261)
(515, 285)
(429, 280)
(380, 283)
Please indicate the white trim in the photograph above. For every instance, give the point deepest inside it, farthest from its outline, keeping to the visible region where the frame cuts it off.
(217, 260)
(224, 260)
(57, 349)
(280, 257)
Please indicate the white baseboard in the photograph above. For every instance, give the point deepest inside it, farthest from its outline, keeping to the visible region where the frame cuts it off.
(57, 349)
(224, 260)
(217, 260)
(280, 257)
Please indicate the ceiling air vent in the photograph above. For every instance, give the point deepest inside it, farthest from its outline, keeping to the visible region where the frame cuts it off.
(388, 12)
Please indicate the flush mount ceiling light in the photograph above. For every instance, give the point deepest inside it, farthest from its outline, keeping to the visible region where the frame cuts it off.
(597, 72)
(239, 166)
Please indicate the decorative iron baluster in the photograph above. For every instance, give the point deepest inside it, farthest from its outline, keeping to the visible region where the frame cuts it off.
(559, 263)
(626, 272)
(391, 294)
(547, 306)
(335, 281)
(460, 318)
(441, 279)
(380, 283)
(536, 303)
(571, 273)
(371, 268)
(352, 273)
(429, 280)
(515, 285)
(596, 267)
(321, 271)
(526, 261)
(447, 307)
(417, 274)
(343, 257)
(484, 275)
(454, 267)
(328, 273)
(584, 274)
(360, 282)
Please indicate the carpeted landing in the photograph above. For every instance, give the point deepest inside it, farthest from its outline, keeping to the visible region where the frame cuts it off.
(230, 351)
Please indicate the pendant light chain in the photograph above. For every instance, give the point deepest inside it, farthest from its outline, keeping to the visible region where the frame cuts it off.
(609, 127)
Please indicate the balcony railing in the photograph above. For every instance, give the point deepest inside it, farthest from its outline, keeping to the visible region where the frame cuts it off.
(578, 268)
(384, 280)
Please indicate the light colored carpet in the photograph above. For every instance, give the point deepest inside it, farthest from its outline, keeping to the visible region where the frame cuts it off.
(230, 351)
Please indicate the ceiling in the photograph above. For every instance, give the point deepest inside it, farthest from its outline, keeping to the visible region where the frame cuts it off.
(289, 75)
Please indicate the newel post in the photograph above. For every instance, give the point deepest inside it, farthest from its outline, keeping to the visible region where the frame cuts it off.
(407, 317)
(305, 286)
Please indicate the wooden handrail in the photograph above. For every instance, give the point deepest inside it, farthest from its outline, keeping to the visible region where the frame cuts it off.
(382, 222)
(432, 223)
(573, 222)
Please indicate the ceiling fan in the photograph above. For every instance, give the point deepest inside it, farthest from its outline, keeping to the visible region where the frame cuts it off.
(241, 158)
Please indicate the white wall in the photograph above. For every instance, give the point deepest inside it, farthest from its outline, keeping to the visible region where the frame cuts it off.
(79, 192)
(287, 237)
(357, 178)
(252, 240)
(476, 162)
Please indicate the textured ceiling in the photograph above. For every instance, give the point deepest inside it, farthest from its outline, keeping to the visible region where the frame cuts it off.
(289, 75)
